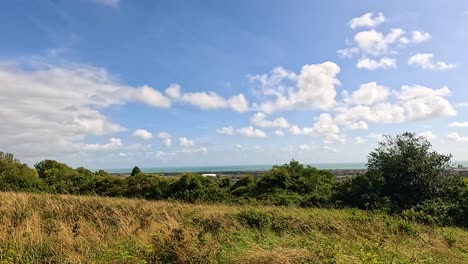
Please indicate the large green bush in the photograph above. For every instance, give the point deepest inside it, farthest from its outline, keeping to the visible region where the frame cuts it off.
(295, 183)
(363, 191)
(192, 187)
(15, 176)
(412, 171)
(435, 212)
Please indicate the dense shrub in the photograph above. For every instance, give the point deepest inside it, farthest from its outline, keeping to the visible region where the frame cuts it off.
(59, 177)
(15, 176)
(434, 212)
(111, 186)
(278, 178)
(255, 219)
(243, 186)
(192, 187)
(151, 187)
(224, 182)
(363, 191)
(294, 183)
(309, 180)
(281, 197)
(464, 203)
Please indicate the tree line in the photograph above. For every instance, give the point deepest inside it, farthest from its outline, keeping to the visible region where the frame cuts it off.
(405, 176)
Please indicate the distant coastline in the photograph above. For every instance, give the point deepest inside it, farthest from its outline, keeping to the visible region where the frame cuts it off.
(235, 171)
(237, 168)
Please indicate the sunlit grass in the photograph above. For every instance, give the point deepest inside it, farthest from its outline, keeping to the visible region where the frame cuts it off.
(40, 228)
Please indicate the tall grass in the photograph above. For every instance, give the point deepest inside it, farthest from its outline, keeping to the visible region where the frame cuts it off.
(40, 228)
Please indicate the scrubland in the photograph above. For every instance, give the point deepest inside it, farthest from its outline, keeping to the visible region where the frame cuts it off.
(46, 228)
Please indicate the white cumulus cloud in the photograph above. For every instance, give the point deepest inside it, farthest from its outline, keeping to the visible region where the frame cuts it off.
(208, 100)
(410, 103)
(114, 143)
(422, 102)
(166, 138)
(375, 43)
(420, 36)
(142, 133)
(259, 119)
(276, 83)
(151, 97)
(369, 94)
(229, 131)
(295, 130)
(426, 61)
(48, 110)
(371, 64)
(367, 20)
(251, 132)
(238, 103)
(314, 89)
(325, 127)
(185, 142)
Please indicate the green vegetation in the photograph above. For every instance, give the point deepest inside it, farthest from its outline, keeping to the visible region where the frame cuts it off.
(412, 171)
(45, 228)
(15, 176)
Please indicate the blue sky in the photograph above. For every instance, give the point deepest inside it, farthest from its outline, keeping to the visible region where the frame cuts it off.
(112, 84)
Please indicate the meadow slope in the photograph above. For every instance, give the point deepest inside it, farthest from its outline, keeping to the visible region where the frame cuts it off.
(43, 228)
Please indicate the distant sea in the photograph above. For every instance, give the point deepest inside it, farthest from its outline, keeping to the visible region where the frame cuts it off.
(235, 168)
(246, 168)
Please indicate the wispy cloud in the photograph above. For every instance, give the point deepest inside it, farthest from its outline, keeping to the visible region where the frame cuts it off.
(111, 3)
(463, 104)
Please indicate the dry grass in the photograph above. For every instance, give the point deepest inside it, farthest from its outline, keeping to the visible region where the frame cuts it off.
(40, 228)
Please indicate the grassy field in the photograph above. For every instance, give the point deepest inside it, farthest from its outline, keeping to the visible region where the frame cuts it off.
(39, 228)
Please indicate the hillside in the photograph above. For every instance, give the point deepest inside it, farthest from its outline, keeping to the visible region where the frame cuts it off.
(42, 228)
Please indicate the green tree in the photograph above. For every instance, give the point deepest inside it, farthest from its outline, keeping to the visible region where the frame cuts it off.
(411, 170)
(15, 176)
(135, 171)
(56, 175)
(61, 178)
